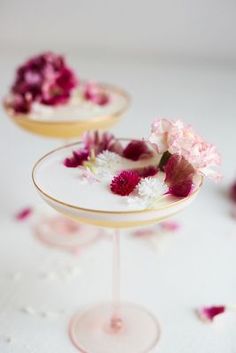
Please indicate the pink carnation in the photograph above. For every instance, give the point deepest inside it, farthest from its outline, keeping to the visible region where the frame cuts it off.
(177, 138)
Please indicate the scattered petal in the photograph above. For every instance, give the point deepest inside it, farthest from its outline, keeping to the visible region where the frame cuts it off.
(144, 232)
(208, 314)
(24, 214)
(170, 226)
(125, 182)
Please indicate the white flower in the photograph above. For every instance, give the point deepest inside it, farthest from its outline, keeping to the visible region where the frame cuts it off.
(107, 164)
(149, 191)
(151, 188)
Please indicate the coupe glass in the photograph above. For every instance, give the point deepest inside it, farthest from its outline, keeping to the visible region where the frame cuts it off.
(57, 230)
(114, 326)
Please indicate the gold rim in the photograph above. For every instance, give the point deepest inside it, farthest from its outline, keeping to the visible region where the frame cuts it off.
(118, 113)
(88, 210)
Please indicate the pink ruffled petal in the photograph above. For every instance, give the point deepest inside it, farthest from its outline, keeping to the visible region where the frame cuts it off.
(180, 139)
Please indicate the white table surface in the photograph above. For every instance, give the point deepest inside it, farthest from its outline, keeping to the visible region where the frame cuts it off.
(185, 270)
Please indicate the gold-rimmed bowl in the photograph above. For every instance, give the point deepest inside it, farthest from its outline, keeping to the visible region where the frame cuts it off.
(65, 203)
(72, 127)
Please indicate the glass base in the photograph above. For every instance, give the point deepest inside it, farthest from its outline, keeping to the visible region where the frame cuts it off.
(93, 330)
(64, 233)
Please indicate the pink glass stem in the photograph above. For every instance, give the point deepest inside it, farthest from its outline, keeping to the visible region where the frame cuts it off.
(116, 321)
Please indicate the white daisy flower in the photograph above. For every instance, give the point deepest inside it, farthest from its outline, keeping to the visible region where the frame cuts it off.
(107, 164)
(151, 188)
(149, 191)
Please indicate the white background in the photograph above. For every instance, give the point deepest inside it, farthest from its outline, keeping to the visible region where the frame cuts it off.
(177, 59)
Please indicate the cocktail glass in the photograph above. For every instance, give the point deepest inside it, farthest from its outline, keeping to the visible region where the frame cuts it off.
(59, 231)
(114, 326)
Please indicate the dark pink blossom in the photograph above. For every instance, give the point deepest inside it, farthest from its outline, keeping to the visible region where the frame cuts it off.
(136, 150)
(77, 158)
(125, 182)
(179, 176)
(147, 171)
(46, 79)
(182, 189)
(209, 313)
(96, 94)
(98, 142)
(24, 214)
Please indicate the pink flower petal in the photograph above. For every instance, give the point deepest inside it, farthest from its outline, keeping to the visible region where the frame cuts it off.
(136, 150)
(209, 313)
(179, 175)
(147, 171)
(77, 158)
(182, 189)
(23, 214)
(177, 170)
(98, 142)
(170, 226)
(96, 94)
(144, 232)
